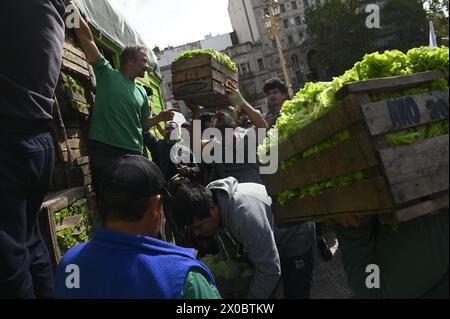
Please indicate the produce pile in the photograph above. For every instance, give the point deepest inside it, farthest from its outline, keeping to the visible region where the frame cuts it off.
(72, 84)
(73, 235)
(220, 57)
(223, 269)
(315, 99)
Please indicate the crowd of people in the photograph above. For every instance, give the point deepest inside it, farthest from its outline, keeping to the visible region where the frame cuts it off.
(126, 258)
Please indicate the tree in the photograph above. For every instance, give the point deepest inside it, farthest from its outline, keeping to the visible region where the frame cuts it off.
(339, 26)
(408, 20)
(340, 29)
(437, 12)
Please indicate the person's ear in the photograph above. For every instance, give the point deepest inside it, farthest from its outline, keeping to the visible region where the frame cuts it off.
(156, 207)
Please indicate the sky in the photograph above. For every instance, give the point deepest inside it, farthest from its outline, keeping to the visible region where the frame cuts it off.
(175, 22)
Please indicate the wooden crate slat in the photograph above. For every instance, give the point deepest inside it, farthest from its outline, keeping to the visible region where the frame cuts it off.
(69, 222)
(74, 95)
(200, 61)
(422, 208)
(75, 59)
(330, 217)
(364, 196)
(77, 51)
(187, 64)
(59, 200)
(417, 170)
(334, 121)
(219, 87)
(405, 112)
(72, 66)
(191, 74)
(209, 100)
(192, 87)
(352, 155)
(389, 84)
(201, 80)
(48, 231)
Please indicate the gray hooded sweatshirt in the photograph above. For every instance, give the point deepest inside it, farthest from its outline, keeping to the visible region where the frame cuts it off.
(246, 215)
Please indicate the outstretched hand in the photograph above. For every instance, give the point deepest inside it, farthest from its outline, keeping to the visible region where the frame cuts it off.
(167, 115)
(234, 96)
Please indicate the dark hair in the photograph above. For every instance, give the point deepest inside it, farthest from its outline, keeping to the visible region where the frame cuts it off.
(203, 119)
(273, 84)
(131, 53)
(148, 90)
(191, 200)
(123, 207)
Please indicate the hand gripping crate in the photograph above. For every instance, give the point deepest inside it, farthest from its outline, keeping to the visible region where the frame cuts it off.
(200, 80)
(402, 182)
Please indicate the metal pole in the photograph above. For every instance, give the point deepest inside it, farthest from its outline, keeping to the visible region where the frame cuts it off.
(283, 66)
(273, 32)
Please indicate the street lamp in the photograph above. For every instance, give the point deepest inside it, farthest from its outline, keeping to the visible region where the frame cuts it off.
(272, 24)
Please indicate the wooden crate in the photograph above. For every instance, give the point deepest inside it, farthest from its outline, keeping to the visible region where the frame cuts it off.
(74, 59)
(52, 204)
(403, 182)
(201, 80)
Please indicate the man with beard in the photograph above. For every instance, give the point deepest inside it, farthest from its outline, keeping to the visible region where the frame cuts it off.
(121, 112)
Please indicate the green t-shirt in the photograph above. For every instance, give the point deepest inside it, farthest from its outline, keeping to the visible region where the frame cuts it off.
(197, 286)
(120, 106)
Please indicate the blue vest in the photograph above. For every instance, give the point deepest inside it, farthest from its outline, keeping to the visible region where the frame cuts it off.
(121, 266)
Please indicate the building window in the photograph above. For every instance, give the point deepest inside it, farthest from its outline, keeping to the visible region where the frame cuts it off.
(301, 36)
(261, 65)
(266, 11)
(282, 8)
(294, 5)
(286, 23)
(274, 44)
(298, 20)
(276, 62)
(306, 3)
(290, 39)
(243, 68)
(299, 76)
(294, 59)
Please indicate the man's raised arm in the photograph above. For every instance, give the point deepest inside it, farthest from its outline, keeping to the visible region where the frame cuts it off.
(86, 39)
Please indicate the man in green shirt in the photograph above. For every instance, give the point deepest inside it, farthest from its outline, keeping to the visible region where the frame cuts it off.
(121, 113)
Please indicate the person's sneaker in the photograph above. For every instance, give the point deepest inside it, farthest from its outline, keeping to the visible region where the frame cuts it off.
(325, 252)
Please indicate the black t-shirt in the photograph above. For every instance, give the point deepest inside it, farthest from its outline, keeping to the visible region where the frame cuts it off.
(32, 38)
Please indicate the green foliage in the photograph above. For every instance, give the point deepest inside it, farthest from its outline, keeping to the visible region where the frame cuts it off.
(437, 12)
(342, 37)
(319, 188)
(315, 99)
(74, 209)
(71, 236)
(409, 19)
(223, 269)
(71, 83)
(220, 57)
(81, 105)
